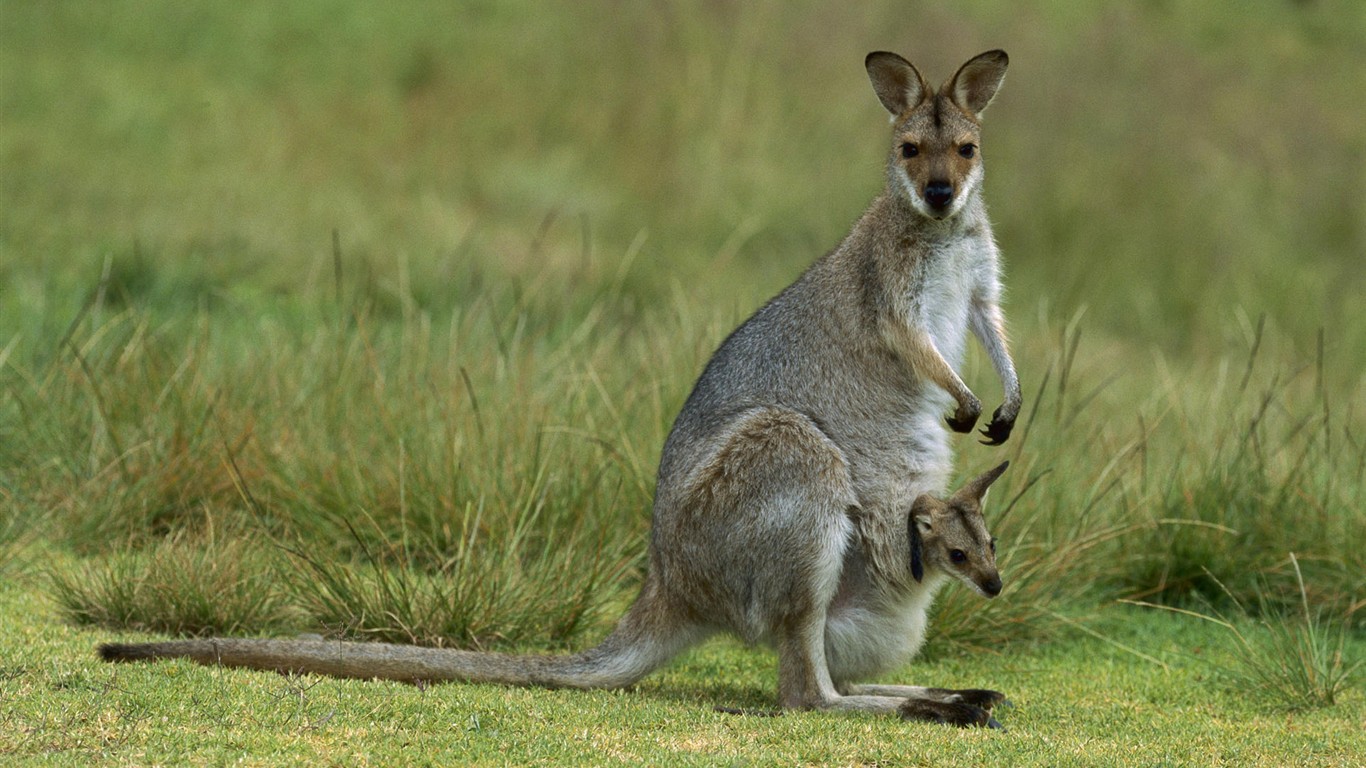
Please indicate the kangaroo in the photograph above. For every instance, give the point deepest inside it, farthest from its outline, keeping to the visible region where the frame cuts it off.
(821, 648)
(799, 498)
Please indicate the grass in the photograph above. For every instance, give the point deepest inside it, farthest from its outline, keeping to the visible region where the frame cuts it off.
(59, 708)
(179, 585)
(1290, 661)
(325, 319)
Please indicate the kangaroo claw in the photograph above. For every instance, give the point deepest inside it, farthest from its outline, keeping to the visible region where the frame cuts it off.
(998, 430)
(964, 426)
(963, 420)
(981, 697)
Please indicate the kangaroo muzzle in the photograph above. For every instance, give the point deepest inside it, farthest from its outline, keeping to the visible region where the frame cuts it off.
(938, 195)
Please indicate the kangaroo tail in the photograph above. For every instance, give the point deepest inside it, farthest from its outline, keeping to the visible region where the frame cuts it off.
(643, 641)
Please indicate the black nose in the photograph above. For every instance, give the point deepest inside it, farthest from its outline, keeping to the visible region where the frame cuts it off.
(938, 193)
(993, 587)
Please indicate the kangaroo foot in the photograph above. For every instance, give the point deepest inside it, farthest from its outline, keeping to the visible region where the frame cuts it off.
(978, 697)
(959, 713)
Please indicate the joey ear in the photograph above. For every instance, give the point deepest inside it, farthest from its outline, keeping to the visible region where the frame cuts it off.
(976, 82)
(917, 552)
(976, 489)
(897, 83)
(921, 512)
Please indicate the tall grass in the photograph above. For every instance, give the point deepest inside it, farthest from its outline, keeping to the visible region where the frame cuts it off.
(1188, 493)
(207, 582)
(1293, 660)
(477, 480)
(1283, 474)
(486, 480)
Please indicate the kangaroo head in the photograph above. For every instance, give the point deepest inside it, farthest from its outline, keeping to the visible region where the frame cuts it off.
(936, 160)
(950, 536)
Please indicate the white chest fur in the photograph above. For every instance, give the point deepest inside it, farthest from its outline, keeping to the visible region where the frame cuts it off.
(949, 277)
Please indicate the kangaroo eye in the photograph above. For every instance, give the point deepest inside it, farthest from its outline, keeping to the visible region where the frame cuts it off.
(958, 556)
(993, 546)
(909, 150)
(967, 150)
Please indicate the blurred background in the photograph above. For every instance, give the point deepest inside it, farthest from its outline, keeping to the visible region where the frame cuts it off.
(283, 267)
(1171, 166)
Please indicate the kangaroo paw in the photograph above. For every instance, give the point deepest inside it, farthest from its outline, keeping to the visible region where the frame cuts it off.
(998, 430)
(962, 421)
(963, 426)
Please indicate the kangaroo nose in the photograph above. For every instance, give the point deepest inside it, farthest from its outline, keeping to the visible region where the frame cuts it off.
(938, 193)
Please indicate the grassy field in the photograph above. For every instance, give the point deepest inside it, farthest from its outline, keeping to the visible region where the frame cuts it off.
(1084, 702)
(325, 317)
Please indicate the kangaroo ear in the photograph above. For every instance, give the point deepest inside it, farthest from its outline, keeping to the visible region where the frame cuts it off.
(896, 82)
(976, 489)
(976, 82)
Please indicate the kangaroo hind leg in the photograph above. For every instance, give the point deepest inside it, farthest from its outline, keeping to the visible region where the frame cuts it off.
(777, 495)
(759, 530)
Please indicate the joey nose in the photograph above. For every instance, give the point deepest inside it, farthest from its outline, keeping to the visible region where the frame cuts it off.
(938, 194)
(992, 586)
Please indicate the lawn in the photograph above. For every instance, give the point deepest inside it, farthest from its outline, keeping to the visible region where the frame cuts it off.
(330, 318)
(1082, 701)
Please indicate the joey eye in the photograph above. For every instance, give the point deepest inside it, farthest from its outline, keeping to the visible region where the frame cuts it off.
(909, 150)
(958, 556)
(967, 150)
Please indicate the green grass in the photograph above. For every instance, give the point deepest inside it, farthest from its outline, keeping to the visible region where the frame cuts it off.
(323, 318)
(179, 585)
(1080, 701)
(1291, 660)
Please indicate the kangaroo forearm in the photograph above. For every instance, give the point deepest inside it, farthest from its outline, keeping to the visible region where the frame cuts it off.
(915, 347)
(988, 325)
